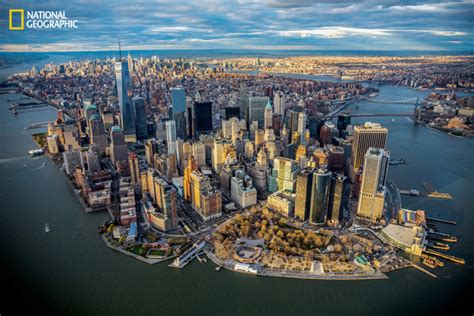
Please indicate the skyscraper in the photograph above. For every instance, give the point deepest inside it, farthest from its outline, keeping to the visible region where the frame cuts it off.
(302, 126)
(118, 147)
(97, 132)
(124, 92)
(279, 103)
(134, 169)
(372, 194)
(201, 118)
(336, 198)
(140, 115)
(365, 136)
(171, 136)
(283, 177)
(243, 101)
(320, 196)
(304, 184)
(178, 99)
(257, 110)
(268, 116)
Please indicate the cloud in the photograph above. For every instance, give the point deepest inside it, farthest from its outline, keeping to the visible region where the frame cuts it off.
(335, 32)
(238, 24)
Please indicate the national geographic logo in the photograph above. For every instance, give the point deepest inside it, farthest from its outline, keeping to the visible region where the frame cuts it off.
(39, 20)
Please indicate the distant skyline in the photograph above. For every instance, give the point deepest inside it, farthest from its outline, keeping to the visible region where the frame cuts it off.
(247, 24)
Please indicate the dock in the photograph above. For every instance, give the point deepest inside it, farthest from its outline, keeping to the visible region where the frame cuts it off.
(424, 270)
(188, 255)
(445, 256)
(440, 220)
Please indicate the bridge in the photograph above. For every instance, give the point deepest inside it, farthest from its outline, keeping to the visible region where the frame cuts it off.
(413, 101)
(334, 113)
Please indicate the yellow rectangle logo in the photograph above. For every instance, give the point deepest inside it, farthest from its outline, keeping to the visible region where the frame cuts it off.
(22, 20)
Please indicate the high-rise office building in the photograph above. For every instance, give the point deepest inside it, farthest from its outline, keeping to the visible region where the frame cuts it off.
(230, 112)
(365, 136)
(243, 101)
(72, 159)
(171, 136)
(302, 126)
(199, 153)
(92, 159)
(72, 136)
(97, 132)
(140, 118)
(178, 99)
(188, 170)
(279, 103)
(268, 118)
(151, 148)
(304, 184)
(165, 198)
(320, 196)
(257, 110)
(343, 120)
(118, 147)
(199, 118)
(372, 193)
(125, 92)
(134, 169)
(283, 177)
(336, 197)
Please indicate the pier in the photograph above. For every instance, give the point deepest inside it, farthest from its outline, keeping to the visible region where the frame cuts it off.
(188, 255)
(445, 256)
(440, 220)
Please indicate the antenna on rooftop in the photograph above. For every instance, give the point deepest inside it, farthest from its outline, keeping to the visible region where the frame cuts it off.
(120, 48)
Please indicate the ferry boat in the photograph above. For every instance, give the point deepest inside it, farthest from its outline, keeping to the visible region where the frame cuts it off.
(432, 262)
(36, 152)
(46, 228)
(400, 161)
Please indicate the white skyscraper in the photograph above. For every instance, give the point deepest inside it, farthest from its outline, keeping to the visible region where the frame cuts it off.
(372, 193)
(171, 136)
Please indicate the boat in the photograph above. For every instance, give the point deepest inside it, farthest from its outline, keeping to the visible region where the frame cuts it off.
(400, 161)
(14, 111)
(432, 262)
(46, 228)
(218, 268)
(36, 152)
(438, 245)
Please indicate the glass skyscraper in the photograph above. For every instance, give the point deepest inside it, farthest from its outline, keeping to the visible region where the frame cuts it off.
(178, 99)
(140, 118)
(124, 92)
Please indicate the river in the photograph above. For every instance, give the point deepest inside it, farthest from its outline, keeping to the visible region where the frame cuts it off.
(70, 270)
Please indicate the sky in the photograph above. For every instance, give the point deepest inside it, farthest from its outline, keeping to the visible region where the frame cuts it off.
(247, 24)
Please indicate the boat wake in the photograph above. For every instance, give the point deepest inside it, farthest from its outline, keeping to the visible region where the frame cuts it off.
(40, 167)
(6, 160)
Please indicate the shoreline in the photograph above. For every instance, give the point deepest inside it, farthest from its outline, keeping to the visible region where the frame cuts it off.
(378, 275)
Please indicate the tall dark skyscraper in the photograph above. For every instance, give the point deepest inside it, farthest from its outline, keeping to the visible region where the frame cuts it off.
(320, 196)
(140, 118)
(124, 92)
(232, 112)
(202, 118)
(336, 197)
(304, 184)
(178, 99)
(343, 120)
